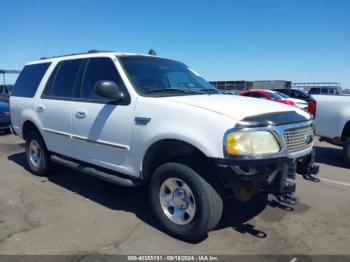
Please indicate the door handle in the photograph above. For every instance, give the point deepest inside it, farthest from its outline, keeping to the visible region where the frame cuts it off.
(80, 114)
(40, 109)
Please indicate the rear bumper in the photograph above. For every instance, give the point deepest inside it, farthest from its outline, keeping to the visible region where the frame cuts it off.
(5, 122)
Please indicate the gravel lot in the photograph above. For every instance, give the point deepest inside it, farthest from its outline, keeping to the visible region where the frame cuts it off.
(72, 213)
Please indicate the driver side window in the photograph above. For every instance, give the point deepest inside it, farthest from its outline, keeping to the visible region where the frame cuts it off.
(97, 69)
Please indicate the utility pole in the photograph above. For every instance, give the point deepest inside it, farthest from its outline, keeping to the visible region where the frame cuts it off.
(8, 71)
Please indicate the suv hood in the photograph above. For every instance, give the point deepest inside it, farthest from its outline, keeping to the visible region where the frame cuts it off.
(233, 106)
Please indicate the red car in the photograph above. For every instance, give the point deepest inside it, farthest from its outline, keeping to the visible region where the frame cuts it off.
(266, 94)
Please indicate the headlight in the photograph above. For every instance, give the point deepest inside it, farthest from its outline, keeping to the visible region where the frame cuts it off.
(251, 143)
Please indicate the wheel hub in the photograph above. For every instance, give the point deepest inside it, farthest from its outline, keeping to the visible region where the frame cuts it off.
(177, 201)
(180, 199)
(35, 153)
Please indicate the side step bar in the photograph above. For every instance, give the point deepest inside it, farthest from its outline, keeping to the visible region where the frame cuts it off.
(94, 172)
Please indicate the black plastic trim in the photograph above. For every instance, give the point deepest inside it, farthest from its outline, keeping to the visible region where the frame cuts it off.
(95, 172)
(248, 162)
(136, 180)
(272, 119)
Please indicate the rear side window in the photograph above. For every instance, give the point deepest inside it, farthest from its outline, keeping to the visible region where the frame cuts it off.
(314, 91)
(256, 95)
(295, 93)
(285, 91)
(98, 69)
(29, 80)
(63, 79)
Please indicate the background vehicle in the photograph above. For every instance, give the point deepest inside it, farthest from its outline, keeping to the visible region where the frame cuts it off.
(300, 103)
(5, 120)
(298, 94)
(332, 121)
(324, 91)
(266, 94)
(5, 92)
(294, 93)
(232, 92)
(144, 120)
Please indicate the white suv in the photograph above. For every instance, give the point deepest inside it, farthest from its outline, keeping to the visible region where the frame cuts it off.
(144, 120)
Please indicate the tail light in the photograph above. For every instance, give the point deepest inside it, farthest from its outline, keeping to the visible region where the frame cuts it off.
(311, 107)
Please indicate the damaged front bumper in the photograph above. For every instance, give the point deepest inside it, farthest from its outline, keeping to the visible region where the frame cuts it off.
(246, 175)
(243, 179)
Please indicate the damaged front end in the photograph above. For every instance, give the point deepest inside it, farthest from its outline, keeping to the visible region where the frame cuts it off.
(245, 175)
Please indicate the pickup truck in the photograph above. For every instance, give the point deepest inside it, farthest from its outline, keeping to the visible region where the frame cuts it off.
(144, 120)
(332, 121)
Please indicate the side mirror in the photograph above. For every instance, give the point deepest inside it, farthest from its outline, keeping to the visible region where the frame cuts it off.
(108, 90)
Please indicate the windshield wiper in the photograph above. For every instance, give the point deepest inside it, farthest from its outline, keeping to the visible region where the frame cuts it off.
(211, 90)
(182, 90)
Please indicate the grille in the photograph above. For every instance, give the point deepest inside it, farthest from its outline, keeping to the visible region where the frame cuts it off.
(296, 138)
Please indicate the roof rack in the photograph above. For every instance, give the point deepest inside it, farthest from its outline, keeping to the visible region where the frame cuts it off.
(92, 51)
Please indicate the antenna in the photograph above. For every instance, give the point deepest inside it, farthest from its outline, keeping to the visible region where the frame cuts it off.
(152, 52)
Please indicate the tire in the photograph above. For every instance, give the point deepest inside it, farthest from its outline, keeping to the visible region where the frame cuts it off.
(8, 131)
(205, 198)
(346, 150)
(4, 132)
(41, 167)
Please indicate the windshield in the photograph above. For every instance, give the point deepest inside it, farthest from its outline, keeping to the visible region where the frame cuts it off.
(159, 76)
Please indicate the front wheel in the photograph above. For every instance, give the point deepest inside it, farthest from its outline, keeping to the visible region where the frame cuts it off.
(346, 149)
(187, 203)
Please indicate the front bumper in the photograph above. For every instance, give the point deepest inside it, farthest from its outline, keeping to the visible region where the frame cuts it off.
(245, 178)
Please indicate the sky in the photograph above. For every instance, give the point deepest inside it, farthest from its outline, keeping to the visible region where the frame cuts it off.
(296, 40)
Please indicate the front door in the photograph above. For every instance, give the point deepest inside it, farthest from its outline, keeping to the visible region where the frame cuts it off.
(101, 128)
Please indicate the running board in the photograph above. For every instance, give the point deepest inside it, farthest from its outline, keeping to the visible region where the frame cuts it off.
(94, 172)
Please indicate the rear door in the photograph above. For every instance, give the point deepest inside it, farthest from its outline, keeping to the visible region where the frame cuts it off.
(54, 107)
(102, 129)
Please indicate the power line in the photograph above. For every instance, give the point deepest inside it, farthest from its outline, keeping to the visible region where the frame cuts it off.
(8, 71)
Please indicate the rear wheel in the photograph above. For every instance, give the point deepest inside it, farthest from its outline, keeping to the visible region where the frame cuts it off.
(346, 150)
(37, 154)
(187, 203)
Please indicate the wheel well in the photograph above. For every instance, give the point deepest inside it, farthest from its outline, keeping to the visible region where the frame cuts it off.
(28, 126)
(169, 150)
(346, 131)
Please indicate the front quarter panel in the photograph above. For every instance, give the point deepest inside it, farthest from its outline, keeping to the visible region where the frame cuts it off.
(201, 128)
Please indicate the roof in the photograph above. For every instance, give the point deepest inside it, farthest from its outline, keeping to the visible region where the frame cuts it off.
(258, 90)
(90, 53)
